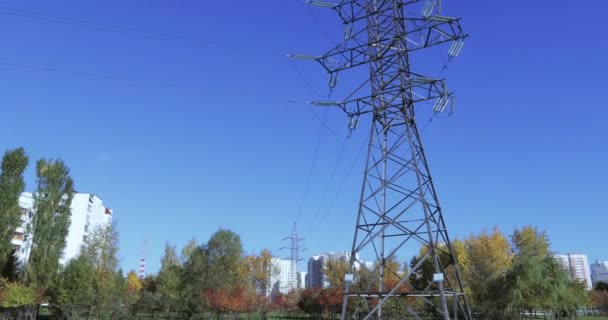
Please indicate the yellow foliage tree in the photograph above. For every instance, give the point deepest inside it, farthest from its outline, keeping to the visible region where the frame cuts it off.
(134, 284)
(260, 269)
(483, 259)
(335, 269)
(529, 241)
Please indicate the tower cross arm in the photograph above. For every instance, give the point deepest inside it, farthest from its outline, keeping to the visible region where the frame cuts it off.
(421, 88)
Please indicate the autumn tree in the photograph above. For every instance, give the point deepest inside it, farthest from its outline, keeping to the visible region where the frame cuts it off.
(261, 269)
(309, 301)
(530, 241)
(12, 185)
(134, 284)
(484, 259)
(335, 269)
(599, 296)
(52, 202)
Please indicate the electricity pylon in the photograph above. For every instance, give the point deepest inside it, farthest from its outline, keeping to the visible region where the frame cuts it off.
(295, 247)
(398, 208)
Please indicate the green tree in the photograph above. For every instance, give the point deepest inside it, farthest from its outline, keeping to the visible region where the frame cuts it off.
(101, 249)
(169, 280)
(14, 295)
(225, 252)
(530, 241)
(534, 284)
(12, 185)
(75, 292)
(194, 278)
(188, 249)
(217, 267)
(150, 302)
(52, 202)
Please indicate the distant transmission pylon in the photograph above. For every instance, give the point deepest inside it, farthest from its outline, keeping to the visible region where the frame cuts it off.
(398, 209)
(295, 247)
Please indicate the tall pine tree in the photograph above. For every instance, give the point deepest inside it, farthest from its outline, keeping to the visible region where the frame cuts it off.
(12, 185)
(52, 202)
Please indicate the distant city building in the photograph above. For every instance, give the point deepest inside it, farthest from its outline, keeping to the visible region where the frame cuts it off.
(315, 272)
(302, 279)
(599, 272)
(88, 214)
(577, 266)
(315, 277)
(282, 278)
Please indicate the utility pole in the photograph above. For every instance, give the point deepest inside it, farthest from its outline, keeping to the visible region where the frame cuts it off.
(399, 209)
(295, 247)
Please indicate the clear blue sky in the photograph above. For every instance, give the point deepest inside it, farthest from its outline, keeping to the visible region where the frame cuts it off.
(183, 138)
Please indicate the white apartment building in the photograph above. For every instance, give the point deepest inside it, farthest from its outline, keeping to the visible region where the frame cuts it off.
(302, 279)
(577, 265)
(88, 213)
(22, 239)
(283, 277)
(599, 272)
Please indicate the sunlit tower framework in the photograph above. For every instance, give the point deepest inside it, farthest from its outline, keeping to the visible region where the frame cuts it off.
(398, 209)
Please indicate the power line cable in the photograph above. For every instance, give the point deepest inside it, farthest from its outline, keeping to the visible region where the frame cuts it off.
(40, 16)
(95, 75)
(318, 22)
(304, 80)
(330, 180)
(310, 171)
(338, 192)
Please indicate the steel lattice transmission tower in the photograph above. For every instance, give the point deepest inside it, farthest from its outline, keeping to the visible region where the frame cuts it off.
(295, 247)
(398, 209)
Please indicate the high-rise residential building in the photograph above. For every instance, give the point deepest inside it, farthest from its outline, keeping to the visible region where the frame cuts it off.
(315, 277)
(282, 277)
(314, 274)
(88, 214)
(599, 272)
(577, 266)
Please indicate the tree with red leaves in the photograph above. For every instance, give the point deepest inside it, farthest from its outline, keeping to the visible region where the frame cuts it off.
(230, 300)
